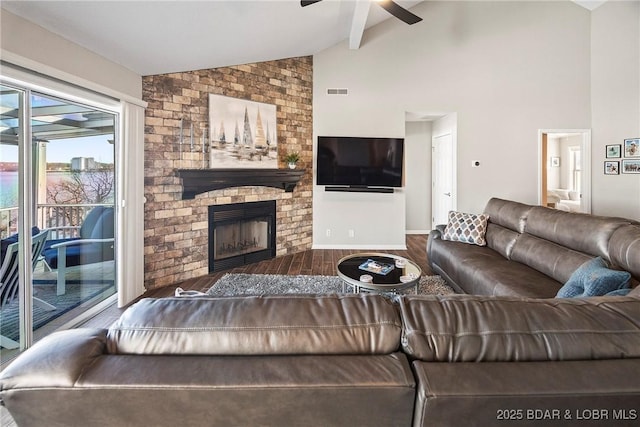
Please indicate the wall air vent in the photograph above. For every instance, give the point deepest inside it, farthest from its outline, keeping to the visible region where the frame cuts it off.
(336, 91)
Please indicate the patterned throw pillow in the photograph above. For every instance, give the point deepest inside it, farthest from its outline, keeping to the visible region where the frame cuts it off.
(466, 228)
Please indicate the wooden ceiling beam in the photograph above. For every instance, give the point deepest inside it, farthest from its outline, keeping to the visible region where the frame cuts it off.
(359, 21)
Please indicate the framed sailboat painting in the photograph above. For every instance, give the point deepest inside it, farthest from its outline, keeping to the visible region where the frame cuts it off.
(242, 134)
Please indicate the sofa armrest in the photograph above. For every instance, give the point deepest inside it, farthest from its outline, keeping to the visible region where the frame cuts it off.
(57, 360)
(434, 234)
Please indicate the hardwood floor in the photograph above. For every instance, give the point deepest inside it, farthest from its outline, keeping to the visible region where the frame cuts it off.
(311, 262)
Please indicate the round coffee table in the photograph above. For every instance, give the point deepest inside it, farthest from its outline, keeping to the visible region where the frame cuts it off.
(398, 279)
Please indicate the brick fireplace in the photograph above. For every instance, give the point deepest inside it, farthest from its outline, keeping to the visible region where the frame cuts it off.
(177, 229)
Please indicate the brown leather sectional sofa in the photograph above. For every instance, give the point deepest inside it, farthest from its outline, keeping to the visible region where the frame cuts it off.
(532, 251)
(519, 358)
(338, 360)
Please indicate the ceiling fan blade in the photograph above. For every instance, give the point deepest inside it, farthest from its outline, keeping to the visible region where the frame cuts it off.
(399, 12)
(304, 3)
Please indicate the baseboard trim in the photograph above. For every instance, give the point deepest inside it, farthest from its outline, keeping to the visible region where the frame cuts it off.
(362, 247)
(418, 231)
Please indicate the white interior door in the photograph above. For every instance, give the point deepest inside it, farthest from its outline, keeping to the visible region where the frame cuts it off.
(442, 178)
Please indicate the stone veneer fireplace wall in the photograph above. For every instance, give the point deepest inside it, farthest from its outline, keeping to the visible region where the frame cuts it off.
(176, 230)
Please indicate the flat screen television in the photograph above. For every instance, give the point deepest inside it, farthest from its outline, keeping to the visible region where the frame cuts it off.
(359, 162)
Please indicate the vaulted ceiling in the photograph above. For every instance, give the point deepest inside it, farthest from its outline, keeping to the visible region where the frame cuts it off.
(156, 37)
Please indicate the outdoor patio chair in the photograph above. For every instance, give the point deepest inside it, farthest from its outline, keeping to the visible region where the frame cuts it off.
(9, 284)
(95, 244)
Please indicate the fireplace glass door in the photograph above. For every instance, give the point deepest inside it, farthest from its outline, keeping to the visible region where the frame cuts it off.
(241, 237)
(241, 233)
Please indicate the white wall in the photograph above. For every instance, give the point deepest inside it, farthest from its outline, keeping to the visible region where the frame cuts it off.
(489, 62)
(417, 155)
(615, 92)
(33, 43)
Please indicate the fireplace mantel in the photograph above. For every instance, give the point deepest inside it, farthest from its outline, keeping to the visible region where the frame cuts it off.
(196, 181)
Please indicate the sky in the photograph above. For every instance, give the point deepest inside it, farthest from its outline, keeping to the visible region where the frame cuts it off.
(63, 150)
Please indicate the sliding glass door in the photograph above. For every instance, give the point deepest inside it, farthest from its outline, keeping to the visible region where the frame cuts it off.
(57, 168)
(12, 217)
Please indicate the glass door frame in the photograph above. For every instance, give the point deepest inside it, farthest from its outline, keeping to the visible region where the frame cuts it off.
(26, 192)
(26, 216)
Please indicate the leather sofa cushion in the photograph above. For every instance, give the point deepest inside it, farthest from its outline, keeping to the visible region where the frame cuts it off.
(215, 391)
(276, 324)
(547, 257)
(501, 239)
(509, 214)
(589, 234)
(483, 271)
(624, 249)
(530, 394)
(480, 329)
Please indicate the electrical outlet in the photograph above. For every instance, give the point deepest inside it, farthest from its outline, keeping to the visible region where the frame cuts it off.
(352, 233)
(328, 232)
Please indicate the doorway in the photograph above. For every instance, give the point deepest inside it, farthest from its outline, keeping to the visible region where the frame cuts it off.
(564, 169)
(431, 177)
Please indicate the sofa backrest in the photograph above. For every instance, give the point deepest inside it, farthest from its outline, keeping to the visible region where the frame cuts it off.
(556, 242)
(508, 214)
(547, 257)
(274, 325)
(589, 234)
(624, 250)
(507, 220)
(465, 328)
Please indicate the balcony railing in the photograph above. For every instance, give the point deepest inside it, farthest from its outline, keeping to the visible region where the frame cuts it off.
(69, 217)
(8, 222)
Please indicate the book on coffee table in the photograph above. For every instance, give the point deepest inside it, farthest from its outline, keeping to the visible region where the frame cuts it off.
(376, 267)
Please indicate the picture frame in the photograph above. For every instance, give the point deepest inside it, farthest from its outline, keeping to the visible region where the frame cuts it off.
(612, 167)
(555, 162)
(632, 147)
(631, 166)
(242, 133)
(613, 151)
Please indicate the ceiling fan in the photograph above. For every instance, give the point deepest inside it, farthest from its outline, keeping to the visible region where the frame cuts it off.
(390, 6)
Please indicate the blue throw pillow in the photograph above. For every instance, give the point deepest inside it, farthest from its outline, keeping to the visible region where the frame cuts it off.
(571, 289)
(593, 278)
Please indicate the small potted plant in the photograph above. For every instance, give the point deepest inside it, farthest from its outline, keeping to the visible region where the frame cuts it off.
(292, 159)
